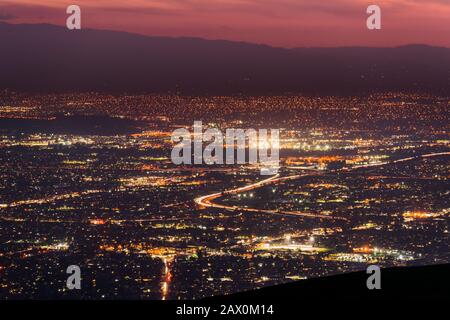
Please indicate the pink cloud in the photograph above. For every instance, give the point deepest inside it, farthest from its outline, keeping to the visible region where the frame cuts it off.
(289, 23)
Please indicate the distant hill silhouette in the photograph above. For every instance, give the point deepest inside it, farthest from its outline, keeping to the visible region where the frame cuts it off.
(47, 58)
(398, 283)
(78, 125)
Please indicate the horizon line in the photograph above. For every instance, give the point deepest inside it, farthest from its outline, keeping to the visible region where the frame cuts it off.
(227, 40)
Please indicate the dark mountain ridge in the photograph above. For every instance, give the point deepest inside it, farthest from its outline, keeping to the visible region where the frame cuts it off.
(48, 58)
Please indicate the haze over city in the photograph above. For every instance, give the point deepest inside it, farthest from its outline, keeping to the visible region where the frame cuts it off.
(88, 180)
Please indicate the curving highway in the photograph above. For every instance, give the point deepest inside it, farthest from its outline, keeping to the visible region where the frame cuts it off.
(208, 200)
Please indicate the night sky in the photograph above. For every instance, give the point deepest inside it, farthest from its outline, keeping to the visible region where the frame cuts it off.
(286, 23)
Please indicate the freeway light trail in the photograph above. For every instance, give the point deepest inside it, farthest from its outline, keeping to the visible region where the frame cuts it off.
(208, 200)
